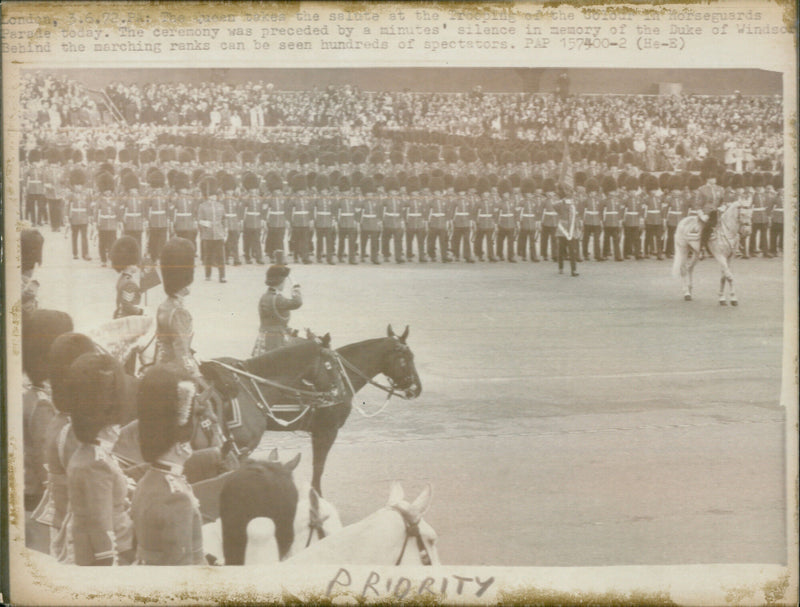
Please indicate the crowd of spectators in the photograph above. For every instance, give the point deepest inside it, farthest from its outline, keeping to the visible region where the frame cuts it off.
(659, 133)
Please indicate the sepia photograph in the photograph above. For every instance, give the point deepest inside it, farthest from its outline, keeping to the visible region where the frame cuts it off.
(414, 332)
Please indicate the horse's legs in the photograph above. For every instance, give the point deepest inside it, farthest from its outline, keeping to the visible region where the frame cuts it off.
(727, 276)
(321, 442)
(722, 281)
(691, 261)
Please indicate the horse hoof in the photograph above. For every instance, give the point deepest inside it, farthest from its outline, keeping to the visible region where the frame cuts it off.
(687, 298)
(734, 303)
(722, 302)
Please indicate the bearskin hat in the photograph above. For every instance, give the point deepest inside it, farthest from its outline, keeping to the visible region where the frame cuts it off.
(609, 184)
(180, 181)
(549, 185)
(747, 179)
(580, 179)
(124, 155)
(248, 157)
(591, 184)
(130, 182)
(482, 185)
(250, 181)
(708, 169)
(66, 348)
(164, 406)
(227, 182)
(147, 156)
(504, 186)
(695, 181)
(105, 182)
(777, 181)
(322, 182)
(736, 181)
(676, 182)
(298, 182)
(274, 181)
(95, 383)
(366, 184)
(208, 186)
(35, 155)
(177, 265)
(649, 182)
(436, 184)
(527, 186)
(664, 180)
(276, 274)
(124, 253)
(39, 330)
(343, 184)
(155, 177)
(460, 184)
(77, 177)
(391, 184)
(31, 242)
(186, 155)
(631, 183)
(413, 184)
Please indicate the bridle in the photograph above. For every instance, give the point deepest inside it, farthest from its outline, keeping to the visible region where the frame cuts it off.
(412, 531)
(392, 387)
(316, 524)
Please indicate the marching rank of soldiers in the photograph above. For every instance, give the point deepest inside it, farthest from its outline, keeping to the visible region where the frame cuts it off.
(243, 212)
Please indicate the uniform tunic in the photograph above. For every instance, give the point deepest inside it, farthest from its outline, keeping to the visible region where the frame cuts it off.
(37, 413)
(174, 334)
(274, 311)
(166, 516)
(98, 496)
(60, 444)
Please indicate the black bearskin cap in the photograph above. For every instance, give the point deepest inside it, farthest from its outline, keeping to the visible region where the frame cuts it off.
(591, 184)
(125, 252)
(77, 177)
(250, 181)
(66, 348)
(164, 401)
(609, 184)
(155, 177)
(177, 265)
(39, 330)
(95, 383)
(695, 181)
(31, 242)
(549, 185)
(105, 182)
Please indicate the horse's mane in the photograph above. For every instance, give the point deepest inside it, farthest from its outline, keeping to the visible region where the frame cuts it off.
(283, 362)
(345, 350)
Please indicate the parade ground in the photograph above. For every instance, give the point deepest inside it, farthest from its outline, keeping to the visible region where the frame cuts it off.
(596, 420)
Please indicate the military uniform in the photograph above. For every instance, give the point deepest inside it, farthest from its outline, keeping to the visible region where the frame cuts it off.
(276, 223)
(300, 220)
(676, 210)
(612, 219)
(775, 202)
(653, 211)
(323, 226)
(78, 214)
(274, 311)
(528, 227)
(106, 225)
(392, 227)
(166, 516)
(549, 223)
(253, 219)
(370, 227)
(760, 221)
(589, 207)
(631, 222)
(463, 216)
(438, 219)
(34, 193)
(346, 218)
(102, 530)
(485, 221)
(157, 219)
(569, 235)
(415, 212)
(184, 222)
(133, 216)
(233, 223)
(506, 225)
(212, 216)
(53, 194)
(37, 414)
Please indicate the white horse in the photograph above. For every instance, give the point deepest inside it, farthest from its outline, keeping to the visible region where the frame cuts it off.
(734, 222)
(393, 535)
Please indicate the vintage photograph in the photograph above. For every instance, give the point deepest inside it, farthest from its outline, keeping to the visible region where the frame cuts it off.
(524, 317)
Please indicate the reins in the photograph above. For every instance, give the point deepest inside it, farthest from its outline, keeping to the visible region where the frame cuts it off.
(412, 530)
(390, 390)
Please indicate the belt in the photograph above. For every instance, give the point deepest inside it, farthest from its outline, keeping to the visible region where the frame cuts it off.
(484, 215)
(506, 214)
(777, 209)
(79, 209)
(252, 213)
(759, 209)
(611, 213)
(550, 213)
(591, 212)
(367, 215)
(528, 215)
(653, 211)
(271, 212)
(347, 214)
(133, 214)
(323, 212)
(420, 214)
(108, 216)
(392, 214)
(157, 212)
(674, 213)
(631, 213)
(183, 214)
(230, 214)
(437, 214)
(299, 212)
(462, 213)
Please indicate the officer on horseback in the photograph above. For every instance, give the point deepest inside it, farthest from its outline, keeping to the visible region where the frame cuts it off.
(710, 198)
(274, 309)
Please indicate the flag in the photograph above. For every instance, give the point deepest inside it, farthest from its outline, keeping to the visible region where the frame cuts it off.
(566, 177)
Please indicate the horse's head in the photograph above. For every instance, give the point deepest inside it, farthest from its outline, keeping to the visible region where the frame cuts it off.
(316, 518)
(326, 375)
(399, 366)
(419, 544)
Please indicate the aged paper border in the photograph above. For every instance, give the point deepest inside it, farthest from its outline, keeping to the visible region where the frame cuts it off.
(33, 582)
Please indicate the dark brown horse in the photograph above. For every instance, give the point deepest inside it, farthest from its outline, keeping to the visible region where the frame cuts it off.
(327, 379)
